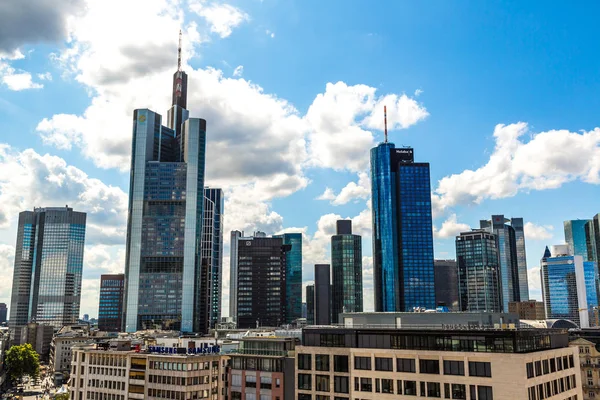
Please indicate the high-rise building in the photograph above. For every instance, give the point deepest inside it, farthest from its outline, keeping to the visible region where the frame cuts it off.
(576, 237)
(528, 310)
(48, 264)
(568, 285)
(310, 304)
(261, 281)
(110, 309)
(510, 242)
(3, 313)
(322, 294)
(293, 276)
(402, 230)
(478, 271)
(446, 284)
(592, 238)
(233, 273)
(163, 269)
(346, 271)
(212, 253)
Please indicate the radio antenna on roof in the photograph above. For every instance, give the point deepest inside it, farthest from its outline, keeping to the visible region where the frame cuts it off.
(385, 123)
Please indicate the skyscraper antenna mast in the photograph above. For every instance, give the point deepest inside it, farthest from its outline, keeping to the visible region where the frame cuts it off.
(179, 53)
(385, 122)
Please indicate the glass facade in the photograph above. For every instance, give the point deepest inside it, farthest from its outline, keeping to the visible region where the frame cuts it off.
(310, 304)
(346, 271)
(576, 238)
(233, 272)
(517, 224)
(402, 230)
(212, 252)
(110, 308)
(293, 276)
(322, 294)
(446, 284)
(48, 266)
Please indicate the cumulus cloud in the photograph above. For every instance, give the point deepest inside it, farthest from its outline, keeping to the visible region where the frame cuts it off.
(450, 228)
(238, 71)
(17, 80)
(7, 257)
(537, 232)
(351, 192)
(221, 17)
(46, 76)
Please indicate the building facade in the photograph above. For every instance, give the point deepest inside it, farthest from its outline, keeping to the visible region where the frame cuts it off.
(163, 268)
(346, 271)
(530, 309)
(479, 285)
(576, 237)
(589, 361)
(322, 294)
(233, 273)
(212, 254)
(463, 364)
(37, 335)
(61, 350)
(3, 313)
(48, 265)
(293, 276)
(446, 284)
(110, 308)
(402, 230)
(592, 238)
(310, 304)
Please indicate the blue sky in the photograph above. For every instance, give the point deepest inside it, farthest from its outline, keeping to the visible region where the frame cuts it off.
(500, 97)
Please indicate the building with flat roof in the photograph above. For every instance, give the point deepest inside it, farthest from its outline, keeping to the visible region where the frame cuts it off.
(3, 313)
(430, 320)
(589, 361)
(446, 284)
(110, 306)
(322, 294)
(530, 309)
(346, 271)
(310, 304)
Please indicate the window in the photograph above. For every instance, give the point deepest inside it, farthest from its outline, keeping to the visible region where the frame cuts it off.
(304, 361)
(538, 368)
(322, 383)
(340, 384)
(484, 393)
(410, 388)
(387, 386)
(322, 362)
(383, 364)
(552, 365)
(398, 387)
(340, 364)
(559, 363)
(251, 381)
(366, 385)
(429, 366)
(304, 382)
(459, 391)
(454, 367)
(473, 391)
(356, 384)
(266, 382)
(530, 369)
(405, 365)
(422, 390)
(362, 363)
(303, 396)
(433, 389)
(545, 367)
(446, 390)
(571, 361)
(480, 369)
(321, 397)
(236, 380)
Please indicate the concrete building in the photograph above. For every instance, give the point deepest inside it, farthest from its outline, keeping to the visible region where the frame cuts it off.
(530, 309)
(446, 284)
(212, 252)
(263, 368)
(375, 364)
(39, 336)
(322, 294)
(589, 361)
(61, 350)
(116, 371)
(429, 320)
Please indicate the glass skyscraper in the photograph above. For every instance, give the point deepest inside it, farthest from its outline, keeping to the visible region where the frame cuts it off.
(48, 264)
(110, 309)
(310, 304)
(577, 238)
(402, 230)
(212, 251)
(233, 273)
(346, 271)
(446, 284)
(293, 276)
(163, 268)
(322, 294)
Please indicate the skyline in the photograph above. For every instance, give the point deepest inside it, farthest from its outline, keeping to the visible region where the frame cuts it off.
(310, 136)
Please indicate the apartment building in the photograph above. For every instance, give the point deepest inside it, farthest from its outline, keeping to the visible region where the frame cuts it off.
(481, 364)
(589, 358)
(60, 350)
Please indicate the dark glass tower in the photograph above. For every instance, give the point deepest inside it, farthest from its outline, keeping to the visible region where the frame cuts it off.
(3, 313)
(346, 271)
(48, 264)
(576, 236)
(293, 276)
(212, 251)
(402, 230)
(163, 269)
(322, 294)
(446, 284)
(110, 310)
(310, 304)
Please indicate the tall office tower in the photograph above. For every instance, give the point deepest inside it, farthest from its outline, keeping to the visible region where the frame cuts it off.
(212, 251)
(446, 284)
(402, 230)
(293, 276)
(233, 273)
(576, 237)
(322, 294)
(592, 238)
(346, 271)
(568, 285)
(48, 263)
(261, 281)
(110, 309)
(310, 304)
(510, 242)
(3, 313)
(478, 271)
(164, 227)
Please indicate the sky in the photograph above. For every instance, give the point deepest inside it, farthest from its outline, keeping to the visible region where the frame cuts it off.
(500, 97)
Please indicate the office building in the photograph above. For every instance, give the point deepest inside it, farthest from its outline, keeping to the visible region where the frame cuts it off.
(310, 304)
(589, 361)
(592, 238)
(446, 284)
(212, 250)
(322, 294)
(60, 350)
(293, 276)
(346, 271)
(529, 310)
(458, 364)
(431, 320)
(110, 309)
(37, 335)
(510, 242)
(117, 370)
(576, 237)
(233, 273)
(402, 230)
(263, 368)
(568, 285)
(46, 286)
(261, 281)
(479, 286)
(164, 229)
(3, 313)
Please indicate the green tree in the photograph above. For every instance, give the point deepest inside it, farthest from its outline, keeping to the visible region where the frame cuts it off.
(62, 396)
(22, 360)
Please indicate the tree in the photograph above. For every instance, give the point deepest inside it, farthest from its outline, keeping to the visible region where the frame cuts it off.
(22, 360)
(62, 396)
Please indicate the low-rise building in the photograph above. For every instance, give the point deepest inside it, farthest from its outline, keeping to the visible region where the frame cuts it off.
(481, 364)
(38, 335)
(589, 358)
(529, 310)
(60, 350)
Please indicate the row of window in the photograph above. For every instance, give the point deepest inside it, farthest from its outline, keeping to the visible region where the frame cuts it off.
(340, 363)
(171, 394)
(180, 381)
(544, 367)
(97, 396)
(552, 388)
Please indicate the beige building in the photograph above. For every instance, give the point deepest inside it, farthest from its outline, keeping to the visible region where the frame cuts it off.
(120, 373)
(379, 364)
(530, 310)
(589, 358)
(60, 350)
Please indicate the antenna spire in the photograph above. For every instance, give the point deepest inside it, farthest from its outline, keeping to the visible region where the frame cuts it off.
(385, 122)
(179, 53)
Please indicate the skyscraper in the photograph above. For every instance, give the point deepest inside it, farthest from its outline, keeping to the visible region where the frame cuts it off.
(402, 230)
(212, 249)
(310, 304)
(164, 228)
(233, 273)
(110, 308)
(576, 238)
(478, 272)
(446, 284)
(592, 238)
(346, 271)
(293, 276)
(48, 265)
(3, 313)
(322, 294)
(510, 242)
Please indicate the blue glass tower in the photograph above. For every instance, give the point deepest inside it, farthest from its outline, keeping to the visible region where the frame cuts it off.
(293, 284)
(212, 252)
(575, 236)
(402, 230)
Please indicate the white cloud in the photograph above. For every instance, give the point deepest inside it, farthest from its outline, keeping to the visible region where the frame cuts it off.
(537, 232)
(221, 17)
(238, 71)
(418, 92)
(450, 228)
(17, 80)
(351, 192)
(328, 194)
(90, 296)
(7, 256)
(270, 33)
(534, 278)
(46, 76)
